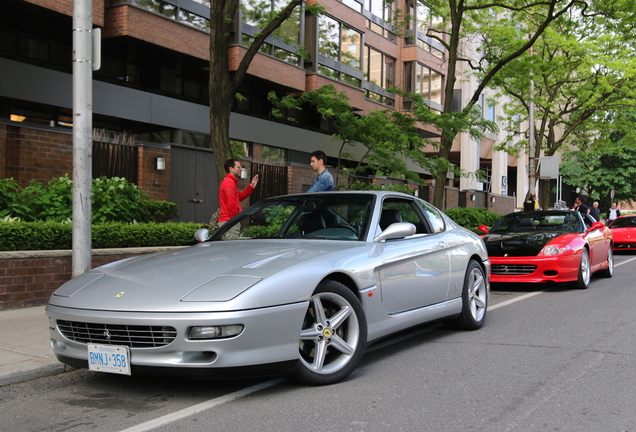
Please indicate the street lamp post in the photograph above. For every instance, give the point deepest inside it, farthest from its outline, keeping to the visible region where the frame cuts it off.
(82, 135)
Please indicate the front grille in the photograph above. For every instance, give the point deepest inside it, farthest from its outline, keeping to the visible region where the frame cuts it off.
(135, 336)
(512, 269)
(625, 246)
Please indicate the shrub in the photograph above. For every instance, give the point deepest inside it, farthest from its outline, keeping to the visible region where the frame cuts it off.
(471, 218)
(15, 236)
(10, 204)
(113, 200)
(159, 211)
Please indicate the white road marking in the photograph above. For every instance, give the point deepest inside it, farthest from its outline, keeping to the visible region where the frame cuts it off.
(514, 300)
(624, 262)
(162, 421)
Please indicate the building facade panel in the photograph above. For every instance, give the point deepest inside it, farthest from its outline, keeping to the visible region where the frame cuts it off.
(130, 21)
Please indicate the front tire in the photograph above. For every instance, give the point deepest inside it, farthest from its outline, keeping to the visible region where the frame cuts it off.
(333, 336)
(474, 300)
(583, 281)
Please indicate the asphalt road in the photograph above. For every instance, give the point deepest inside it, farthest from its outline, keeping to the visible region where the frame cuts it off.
(549, 358)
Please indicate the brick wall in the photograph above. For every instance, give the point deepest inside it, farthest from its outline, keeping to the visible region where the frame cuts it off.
(30, 282)
(150, 180)
(298, 176)
(35, 154)
(503, 204)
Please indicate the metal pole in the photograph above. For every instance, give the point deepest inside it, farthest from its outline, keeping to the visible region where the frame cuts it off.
(82, 134)
(531, 144)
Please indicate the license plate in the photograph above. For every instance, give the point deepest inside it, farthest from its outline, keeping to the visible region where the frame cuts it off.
(109, 358)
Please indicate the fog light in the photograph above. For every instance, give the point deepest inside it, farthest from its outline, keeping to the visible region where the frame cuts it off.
(216, 332)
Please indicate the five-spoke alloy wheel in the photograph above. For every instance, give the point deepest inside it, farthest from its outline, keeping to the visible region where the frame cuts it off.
(333, 336)
(474, 300)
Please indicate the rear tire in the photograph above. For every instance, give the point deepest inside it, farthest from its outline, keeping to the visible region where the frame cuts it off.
(474, 300)
(609, 271)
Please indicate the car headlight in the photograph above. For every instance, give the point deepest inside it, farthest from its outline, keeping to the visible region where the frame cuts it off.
(215, 332)
(554, 250)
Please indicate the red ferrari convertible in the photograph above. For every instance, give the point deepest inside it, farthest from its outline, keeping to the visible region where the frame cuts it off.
(549, 246)
(624, 232)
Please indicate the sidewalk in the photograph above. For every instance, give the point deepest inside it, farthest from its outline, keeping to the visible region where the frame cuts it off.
(25, 348)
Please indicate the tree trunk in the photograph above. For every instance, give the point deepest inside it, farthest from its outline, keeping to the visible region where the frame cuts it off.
(221, 94)
(440, 177)
(219, 136)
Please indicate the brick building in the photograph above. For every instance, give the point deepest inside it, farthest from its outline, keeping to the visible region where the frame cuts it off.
(152, 86)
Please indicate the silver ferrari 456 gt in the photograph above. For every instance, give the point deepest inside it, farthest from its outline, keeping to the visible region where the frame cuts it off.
(295, 285)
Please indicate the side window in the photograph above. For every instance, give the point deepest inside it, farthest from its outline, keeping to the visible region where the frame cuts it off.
(399, 210)
(434, 218)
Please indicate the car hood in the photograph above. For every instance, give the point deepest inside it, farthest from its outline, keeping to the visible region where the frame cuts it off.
(213, 272)
(518, 244)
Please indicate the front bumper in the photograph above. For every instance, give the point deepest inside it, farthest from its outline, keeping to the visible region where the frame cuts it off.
(534, 269)
(270, 337)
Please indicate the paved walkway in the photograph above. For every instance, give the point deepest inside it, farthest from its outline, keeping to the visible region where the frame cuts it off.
(25, 347)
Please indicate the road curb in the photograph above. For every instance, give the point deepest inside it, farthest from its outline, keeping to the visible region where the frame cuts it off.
(34, 373)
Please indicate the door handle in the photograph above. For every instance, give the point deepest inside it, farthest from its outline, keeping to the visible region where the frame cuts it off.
(196, 200)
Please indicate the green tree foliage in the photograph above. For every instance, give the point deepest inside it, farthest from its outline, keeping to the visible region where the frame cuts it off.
(468, 22)
(389, 138)
(608, 163)
(583, 65)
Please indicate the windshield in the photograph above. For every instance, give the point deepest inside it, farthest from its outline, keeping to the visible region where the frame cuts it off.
(629, 222)
(318, 216)
(565, 221)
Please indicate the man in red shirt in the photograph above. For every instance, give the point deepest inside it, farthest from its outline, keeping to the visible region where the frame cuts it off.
(230, 196)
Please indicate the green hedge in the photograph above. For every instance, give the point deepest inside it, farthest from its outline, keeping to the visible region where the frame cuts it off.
(21, 236)
(471, 218)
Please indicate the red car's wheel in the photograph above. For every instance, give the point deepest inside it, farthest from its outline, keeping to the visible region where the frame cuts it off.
(609, 271)
(583, 282)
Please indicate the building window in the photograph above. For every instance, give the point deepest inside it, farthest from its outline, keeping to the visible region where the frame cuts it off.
(274, 155)
(241, 149)
(353, 4)
(379, 70)
(342, 44)
(423, 81)
(490, 111)
(382, 14)
(339, 42)
(287, 37)
(192, 15)
(426, 19)
(380, 9)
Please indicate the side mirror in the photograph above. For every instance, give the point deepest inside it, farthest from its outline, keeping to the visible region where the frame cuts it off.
(396, 230)
(483, 228)
(201, 235)
(595, 226)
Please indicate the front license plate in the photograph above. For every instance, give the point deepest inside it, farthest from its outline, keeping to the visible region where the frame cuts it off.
(109, 358)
